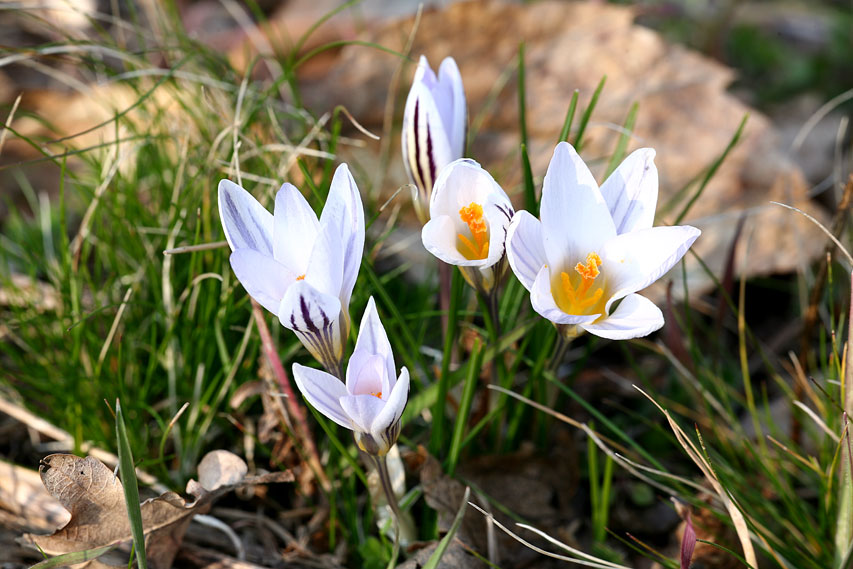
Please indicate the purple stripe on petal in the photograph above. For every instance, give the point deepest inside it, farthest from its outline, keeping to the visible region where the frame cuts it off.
(243, 225)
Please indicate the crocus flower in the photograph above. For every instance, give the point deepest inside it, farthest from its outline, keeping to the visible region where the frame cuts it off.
(594, 247)
(296, 266)
(372, 400)
(434, 124)
(469, 216)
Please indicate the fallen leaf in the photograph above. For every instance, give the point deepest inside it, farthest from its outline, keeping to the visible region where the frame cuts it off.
(94, 496)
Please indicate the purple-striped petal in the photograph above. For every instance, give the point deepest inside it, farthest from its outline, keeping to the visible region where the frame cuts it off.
(314, 316)
(246, 223)
(324, 392)
(393, 409)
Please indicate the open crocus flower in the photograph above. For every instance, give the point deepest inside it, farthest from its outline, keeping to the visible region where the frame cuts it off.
(595, 246)
(296, 266)
(434, 124)
(372, 400)
(469, 215)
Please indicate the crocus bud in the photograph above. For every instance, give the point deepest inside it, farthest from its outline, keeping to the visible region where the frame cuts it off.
(434, 125)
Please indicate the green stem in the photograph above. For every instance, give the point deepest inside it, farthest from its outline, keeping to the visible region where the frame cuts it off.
(391, 497)
(560, 348)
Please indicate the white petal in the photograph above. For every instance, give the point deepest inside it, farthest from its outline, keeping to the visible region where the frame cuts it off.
(263, 278)
(424, 75)
(459, 184)
(362, 409)
(457, 117)
(326, 266)
(439, 238)
(575, 217)
(543, 302)
(345, 212)
(633, 261)
(393, 409)
(524, 249)
(372, 338)
(314, 317)
(324, 392)
(366, 375)
(295, 229)
(631, 191)
(635, 317)
(247, 224)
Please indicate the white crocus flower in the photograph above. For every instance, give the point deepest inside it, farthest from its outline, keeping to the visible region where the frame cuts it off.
(469, 215)
(434, 125)
(372, 400)
(296, 266)
(594, 247)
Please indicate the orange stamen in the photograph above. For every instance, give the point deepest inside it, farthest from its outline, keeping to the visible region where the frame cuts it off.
(377, 394)
(590, 269)
(300, 278)
(472, 215)
(579, 299)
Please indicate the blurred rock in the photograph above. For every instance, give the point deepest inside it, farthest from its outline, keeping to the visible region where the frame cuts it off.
(684, 113)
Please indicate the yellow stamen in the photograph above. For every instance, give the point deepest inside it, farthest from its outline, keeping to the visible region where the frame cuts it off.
(578, 298)
(377, 394)
(472, 215)
(300, 278)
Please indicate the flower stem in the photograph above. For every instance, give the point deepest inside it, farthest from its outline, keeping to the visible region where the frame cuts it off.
(560, 348)
(390, 496)
(294, 408)
(444, 274)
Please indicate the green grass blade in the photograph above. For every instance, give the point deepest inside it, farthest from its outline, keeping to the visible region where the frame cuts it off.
(131, 490)
(468, 389)
(443, 383)
(531, 204)
(570, 117)
(587, 114)
(435, 558)
(522, 97)
(622, 143)
(74, 558)
(529, 190)
(323, 19)
(712, 170)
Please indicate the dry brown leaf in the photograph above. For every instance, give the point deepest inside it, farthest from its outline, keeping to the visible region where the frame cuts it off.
(95, 498)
